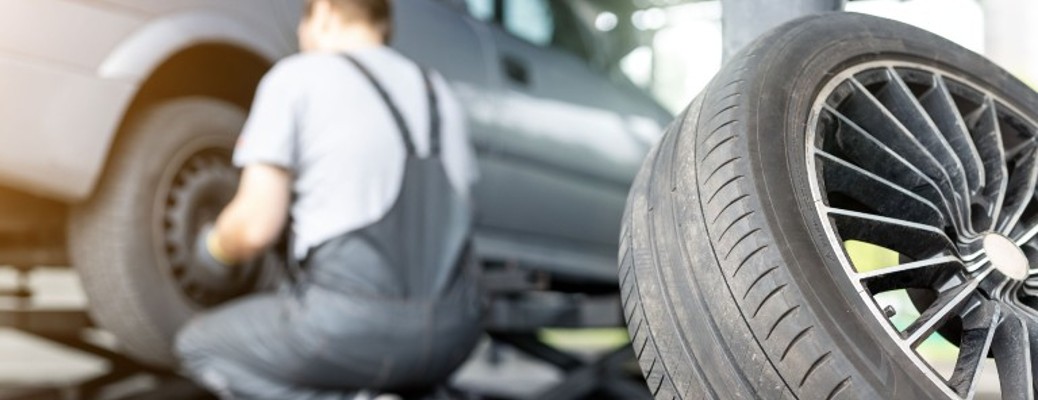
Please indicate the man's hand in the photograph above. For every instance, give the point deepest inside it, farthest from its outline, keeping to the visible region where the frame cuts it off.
(256, 217)
(211, 265)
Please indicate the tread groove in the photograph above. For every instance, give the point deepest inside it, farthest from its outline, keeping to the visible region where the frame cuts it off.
(733, 223)
(627, 297)
(730, 95)
(727, 206)
(627, 274)
(644, 343)
(721, 188)
(739, 241)
(719, 128)
(758, 280)
(735, 81)
(796, 339)
(718, 145)
(768, 297)
(839, 388)
(638, 328)
(719, 167)
(629, 314)
(747, 259)
(723, 110)
(814, 366)
(659, 385)
(780, 319)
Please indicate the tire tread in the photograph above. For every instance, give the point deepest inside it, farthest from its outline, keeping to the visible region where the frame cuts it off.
(773, 323)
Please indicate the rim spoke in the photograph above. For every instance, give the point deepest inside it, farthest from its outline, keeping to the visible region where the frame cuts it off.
(948, 305)
(872, 116)
(1032, 339)
(1020, 148)
(866, 151)
(1026, 236)
(1020, 188)
(987, 136)
(917, 241)
(978, 333)
(938, 103)
(920, 274)
(881, 195)
(1012, 351)
(902, 104)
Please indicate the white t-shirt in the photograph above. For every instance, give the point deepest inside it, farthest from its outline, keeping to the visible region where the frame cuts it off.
(317, 116)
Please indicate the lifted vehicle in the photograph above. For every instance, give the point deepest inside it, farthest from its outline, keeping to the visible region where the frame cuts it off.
(117, 118)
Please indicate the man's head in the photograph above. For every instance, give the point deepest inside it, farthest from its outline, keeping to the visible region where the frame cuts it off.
(339, 25)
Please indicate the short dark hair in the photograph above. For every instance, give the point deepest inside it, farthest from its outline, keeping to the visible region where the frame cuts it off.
(377, 13)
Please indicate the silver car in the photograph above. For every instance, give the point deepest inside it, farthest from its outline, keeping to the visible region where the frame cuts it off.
(117, 118)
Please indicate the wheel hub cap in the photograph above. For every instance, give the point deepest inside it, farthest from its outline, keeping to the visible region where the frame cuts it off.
(1007, 257)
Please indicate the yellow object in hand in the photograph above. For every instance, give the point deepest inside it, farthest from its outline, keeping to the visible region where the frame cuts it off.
(212, 243)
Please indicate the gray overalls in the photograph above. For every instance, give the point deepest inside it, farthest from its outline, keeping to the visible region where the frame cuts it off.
(390, 307)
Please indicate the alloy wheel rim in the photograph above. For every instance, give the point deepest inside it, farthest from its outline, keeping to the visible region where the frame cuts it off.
(940, 173)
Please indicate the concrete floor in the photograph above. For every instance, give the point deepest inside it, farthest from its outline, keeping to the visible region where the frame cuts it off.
(28, 362)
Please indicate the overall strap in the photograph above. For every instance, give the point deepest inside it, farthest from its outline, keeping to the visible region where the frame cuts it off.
(405, 133)
(435, 123)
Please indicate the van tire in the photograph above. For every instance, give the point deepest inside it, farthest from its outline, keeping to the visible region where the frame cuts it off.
(112, 236)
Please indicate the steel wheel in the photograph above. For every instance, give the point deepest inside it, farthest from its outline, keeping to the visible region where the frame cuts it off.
(167, 172)
(195, 191)
(925, 163)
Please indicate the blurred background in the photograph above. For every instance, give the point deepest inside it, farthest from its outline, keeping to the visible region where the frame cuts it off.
(672, 48)
(669, 49)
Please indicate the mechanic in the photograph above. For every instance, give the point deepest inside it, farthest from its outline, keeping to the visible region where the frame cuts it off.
(369, 155)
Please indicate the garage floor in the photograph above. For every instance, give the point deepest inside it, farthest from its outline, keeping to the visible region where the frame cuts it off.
(28, 362)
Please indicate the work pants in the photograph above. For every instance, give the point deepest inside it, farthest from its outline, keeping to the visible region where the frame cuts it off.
(312, 341)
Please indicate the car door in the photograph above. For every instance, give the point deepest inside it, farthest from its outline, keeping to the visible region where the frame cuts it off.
(570, 141)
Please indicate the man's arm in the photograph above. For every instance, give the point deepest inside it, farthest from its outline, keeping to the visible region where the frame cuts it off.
(256, 216)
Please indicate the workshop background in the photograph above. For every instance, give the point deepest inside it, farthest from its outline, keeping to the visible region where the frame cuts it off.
(669, 48)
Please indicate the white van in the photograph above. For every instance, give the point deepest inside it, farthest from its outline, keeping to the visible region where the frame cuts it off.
(117, 118)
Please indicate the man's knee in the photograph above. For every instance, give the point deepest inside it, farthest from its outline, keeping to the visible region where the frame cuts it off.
(189, 344)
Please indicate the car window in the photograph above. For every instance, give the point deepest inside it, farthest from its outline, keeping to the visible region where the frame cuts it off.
(545, 23)
(530, 20)
(482, 10)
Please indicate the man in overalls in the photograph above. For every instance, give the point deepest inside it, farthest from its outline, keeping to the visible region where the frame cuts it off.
(369, 156)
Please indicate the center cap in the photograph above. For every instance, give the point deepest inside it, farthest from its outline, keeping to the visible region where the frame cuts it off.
(1006, 256)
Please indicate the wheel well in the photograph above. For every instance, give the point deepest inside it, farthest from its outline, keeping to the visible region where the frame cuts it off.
(213, 70)
(34, 235)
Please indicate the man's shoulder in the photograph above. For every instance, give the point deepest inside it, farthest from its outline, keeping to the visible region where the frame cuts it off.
(301, 72)
(302, 65)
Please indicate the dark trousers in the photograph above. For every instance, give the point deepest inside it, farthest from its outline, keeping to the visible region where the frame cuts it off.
(316, 342)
